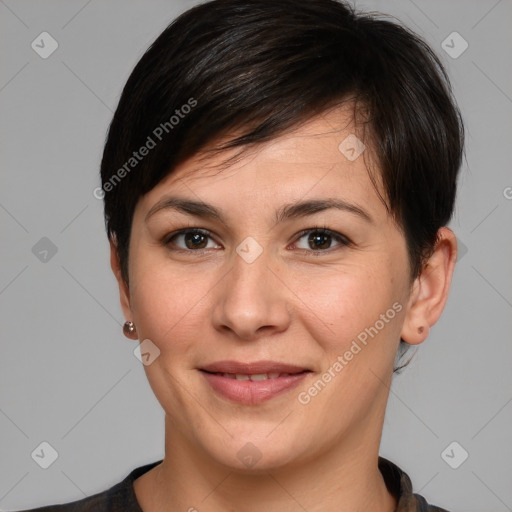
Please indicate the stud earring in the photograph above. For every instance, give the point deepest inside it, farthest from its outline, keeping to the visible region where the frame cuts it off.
(129, 329)
(421, 329)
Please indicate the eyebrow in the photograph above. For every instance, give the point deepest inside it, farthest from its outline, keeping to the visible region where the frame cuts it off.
(289, 211)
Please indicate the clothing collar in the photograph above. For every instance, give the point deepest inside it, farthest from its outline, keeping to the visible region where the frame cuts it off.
(397, 482)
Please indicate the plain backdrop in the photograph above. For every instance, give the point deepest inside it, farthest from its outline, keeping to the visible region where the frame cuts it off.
(68, 376)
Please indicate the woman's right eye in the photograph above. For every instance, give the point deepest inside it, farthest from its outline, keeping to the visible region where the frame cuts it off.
(194, 240)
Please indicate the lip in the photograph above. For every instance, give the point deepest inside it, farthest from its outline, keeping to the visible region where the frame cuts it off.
(250, 392)
(252, 368)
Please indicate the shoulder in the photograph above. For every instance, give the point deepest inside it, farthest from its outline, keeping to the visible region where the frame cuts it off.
(423, 506)
(119, 498)
(400, 485)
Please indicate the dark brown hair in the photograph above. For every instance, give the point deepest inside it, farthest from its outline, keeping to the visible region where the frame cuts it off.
(260, 68)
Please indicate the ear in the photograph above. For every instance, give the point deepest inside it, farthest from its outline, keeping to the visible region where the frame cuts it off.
(124, 292)
(430, 289)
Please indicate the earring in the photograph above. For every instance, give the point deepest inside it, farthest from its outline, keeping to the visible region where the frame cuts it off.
(129, 329)
(421, 329)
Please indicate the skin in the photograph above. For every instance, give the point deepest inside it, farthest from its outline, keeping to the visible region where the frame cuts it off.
(295, 304)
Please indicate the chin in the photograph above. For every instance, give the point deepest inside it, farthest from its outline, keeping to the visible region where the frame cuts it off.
(255, 453)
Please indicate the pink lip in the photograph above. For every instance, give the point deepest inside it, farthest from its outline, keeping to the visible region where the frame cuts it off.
(252, 368)
(252, 392)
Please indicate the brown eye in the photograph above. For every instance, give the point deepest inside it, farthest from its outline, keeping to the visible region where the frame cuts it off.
(318, 240)
(193, 239)
(321, 239)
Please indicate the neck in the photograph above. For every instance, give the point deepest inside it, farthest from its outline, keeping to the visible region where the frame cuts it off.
(345, 478)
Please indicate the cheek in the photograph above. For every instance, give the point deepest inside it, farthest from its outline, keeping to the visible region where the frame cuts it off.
(345, 303)
(364, 312)
(166, 301)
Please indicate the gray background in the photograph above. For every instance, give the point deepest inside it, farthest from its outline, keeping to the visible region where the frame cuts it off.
(69, 377)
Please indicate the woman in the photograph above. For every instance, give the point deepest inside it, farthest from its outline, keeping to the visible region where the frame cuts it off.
(277, 179)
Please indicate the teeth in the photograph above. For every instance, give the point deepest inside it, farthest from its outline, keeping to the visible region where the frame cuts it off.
(253, 377)
(259, 376)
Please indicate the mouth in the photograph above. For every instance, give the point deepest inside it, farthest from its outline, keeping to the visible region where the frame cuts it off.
(252, 383)
(253, 377)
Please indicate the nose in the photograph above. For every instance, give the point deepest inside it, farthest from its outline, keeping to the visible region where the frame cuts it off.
(252, 300)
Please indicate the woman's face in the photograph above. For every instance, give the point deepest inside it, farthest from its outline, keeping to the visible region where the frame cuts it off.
(254, 296)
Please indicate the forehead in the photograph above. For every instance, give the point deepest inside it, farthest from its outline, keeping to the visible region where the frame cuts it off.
(325, 155)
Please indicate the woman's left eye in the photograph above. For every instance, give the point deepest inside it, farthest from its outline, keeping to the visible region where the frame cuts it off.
(320, 239)
(195, 240)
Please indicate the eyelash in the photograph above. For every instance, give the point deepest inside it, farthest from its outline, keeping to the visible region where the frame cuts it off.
(341, 239)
